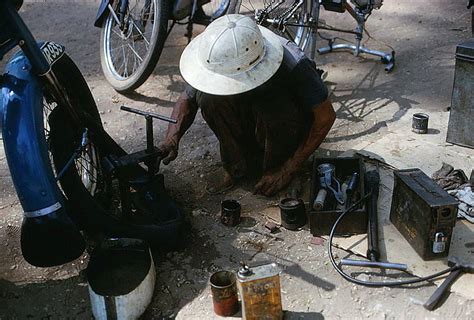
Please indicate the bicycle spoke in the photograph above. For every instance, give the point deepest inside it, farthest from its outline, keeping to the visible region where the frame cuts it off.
(138, 56)
(125, 63)
(250, 1)
(134, 59)
(123, 60)
(141, 33)
(250, 10)
(117, 33)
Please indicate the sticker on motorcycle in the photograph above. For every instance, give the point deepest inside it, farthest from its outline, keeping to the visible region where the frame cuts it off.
(52, 51)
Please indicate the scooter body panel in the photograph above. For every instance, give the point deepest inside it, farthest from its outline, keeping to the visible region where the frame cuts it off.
(24, 139)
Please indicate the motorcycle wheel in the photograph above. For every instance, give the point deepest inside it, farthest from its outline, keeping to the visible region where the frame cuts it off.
(82, 181)
(91, 200)
(130, 52)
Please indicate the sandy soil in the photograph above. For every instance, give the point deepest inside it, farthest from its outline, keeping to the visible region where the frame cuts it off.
(424, 34)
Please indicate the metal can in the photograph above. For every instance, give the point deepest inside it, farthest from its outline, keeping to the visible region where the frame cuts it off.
(224, 293)
(420, 123)
(230, 212)
(260, 292)
(293, 213)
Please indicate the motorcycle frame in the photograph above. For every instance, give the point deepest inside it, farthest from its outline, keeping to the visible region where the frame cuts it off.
(27, 75)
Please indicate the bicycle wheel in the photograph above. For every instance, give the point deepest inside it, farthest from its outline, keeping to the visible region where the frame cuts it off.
(286, 18)
(130, 48)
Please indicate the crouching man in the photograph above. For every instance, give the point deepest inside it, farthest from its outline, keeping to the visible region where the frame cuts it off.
(260, 95)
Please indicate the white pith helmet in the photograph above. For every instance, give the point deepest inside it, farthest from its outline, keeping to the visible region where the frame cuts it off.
(233, 55)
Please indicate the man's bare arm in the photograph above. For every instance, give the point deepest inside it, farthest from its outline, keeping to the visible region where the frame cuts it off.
(323, 119)
(184, 112)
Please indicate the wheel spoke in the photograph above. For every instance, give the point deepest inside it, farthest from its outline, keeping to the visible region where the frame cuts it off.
(253, 8)
(117, 33)
(84, 169)
(138, 56)
(141, 33)
(86, 165)
(134, 59)
(250, 10)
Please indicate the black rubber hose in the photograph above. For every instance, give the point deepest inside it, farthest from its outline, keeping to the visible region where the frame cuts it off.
(375, 283)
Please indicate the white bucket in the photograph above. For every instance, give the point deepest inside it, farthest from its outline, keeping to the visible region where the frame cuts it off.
(121, 278)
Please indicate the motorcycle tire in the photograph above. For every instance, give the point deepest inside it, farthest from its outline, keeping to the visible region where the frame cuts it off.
(92, 205)
(82, 181)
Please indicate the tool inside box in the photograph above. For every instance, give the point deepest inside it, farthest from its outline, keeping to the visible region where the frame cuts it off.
(322, 221)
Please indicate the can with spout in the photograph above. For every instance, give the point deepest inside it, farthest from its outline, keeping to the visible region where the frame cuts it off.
(260, 292)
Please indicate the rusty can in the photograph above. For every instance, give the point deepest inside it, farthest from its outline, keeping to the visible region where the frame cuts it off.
(224, 293)
(260, 292)
(230, 213)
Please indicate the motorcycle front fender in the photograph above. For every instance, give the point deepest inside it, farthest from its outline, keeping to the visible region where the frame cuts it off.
(102, 13)
(24, 140)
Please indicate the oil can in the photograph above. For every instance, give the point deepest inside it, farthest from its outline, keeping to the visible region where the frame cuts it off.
(259, 288)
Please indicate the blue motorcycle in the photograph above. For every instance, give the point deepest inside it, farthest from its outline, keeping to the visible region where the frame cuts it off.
(66, 169)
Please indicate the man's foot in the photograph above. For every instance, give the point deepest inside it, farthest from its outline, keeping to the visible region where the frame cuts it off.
(219, 182)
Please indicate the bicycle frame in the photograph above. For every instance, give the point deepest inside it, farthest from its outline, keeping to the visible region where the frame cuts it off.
(309, 21)
(105, 7)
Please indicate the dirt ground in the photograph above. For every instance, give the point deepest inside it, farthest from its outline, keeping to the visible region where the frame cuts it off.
(423, 33)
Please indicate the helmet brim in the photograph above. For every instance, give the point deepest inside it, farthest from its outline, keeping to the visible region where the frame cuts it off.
(204, 80)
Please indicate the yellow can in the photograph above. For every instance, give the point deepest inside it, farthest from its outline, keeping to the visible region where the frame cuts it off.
(260, 292)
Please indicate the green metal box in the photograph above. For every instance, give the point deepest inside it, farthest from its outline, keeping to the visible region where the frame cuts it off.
(461, 118)
(423, 212)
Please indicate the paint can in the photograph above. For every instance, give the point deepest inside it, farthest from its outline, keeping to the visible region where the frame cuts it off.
(224, 293)
(230, 213)
(420, 123)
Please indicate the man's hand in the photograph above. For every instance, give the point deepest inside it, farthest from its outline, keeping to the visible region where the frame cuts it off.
(184, 112)
(272, 182)
(169, 150)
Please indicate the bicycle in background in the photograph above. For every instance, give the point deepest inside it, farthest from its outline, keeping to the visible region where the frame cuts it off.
(299, 21)
(134, 33)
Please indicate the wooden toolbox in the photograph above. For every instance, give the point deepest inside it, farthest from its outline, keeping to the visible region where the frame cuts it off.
(322, 221)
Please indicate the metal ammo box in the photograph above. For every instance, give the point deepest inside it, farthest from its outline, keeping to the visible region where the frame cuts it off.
(461, 118)
(423, 212)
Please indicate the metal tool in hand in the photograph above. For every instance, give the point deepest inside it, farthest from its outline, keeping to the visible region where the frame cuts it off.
(151, 156)
(328, 181)
(461, 267)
